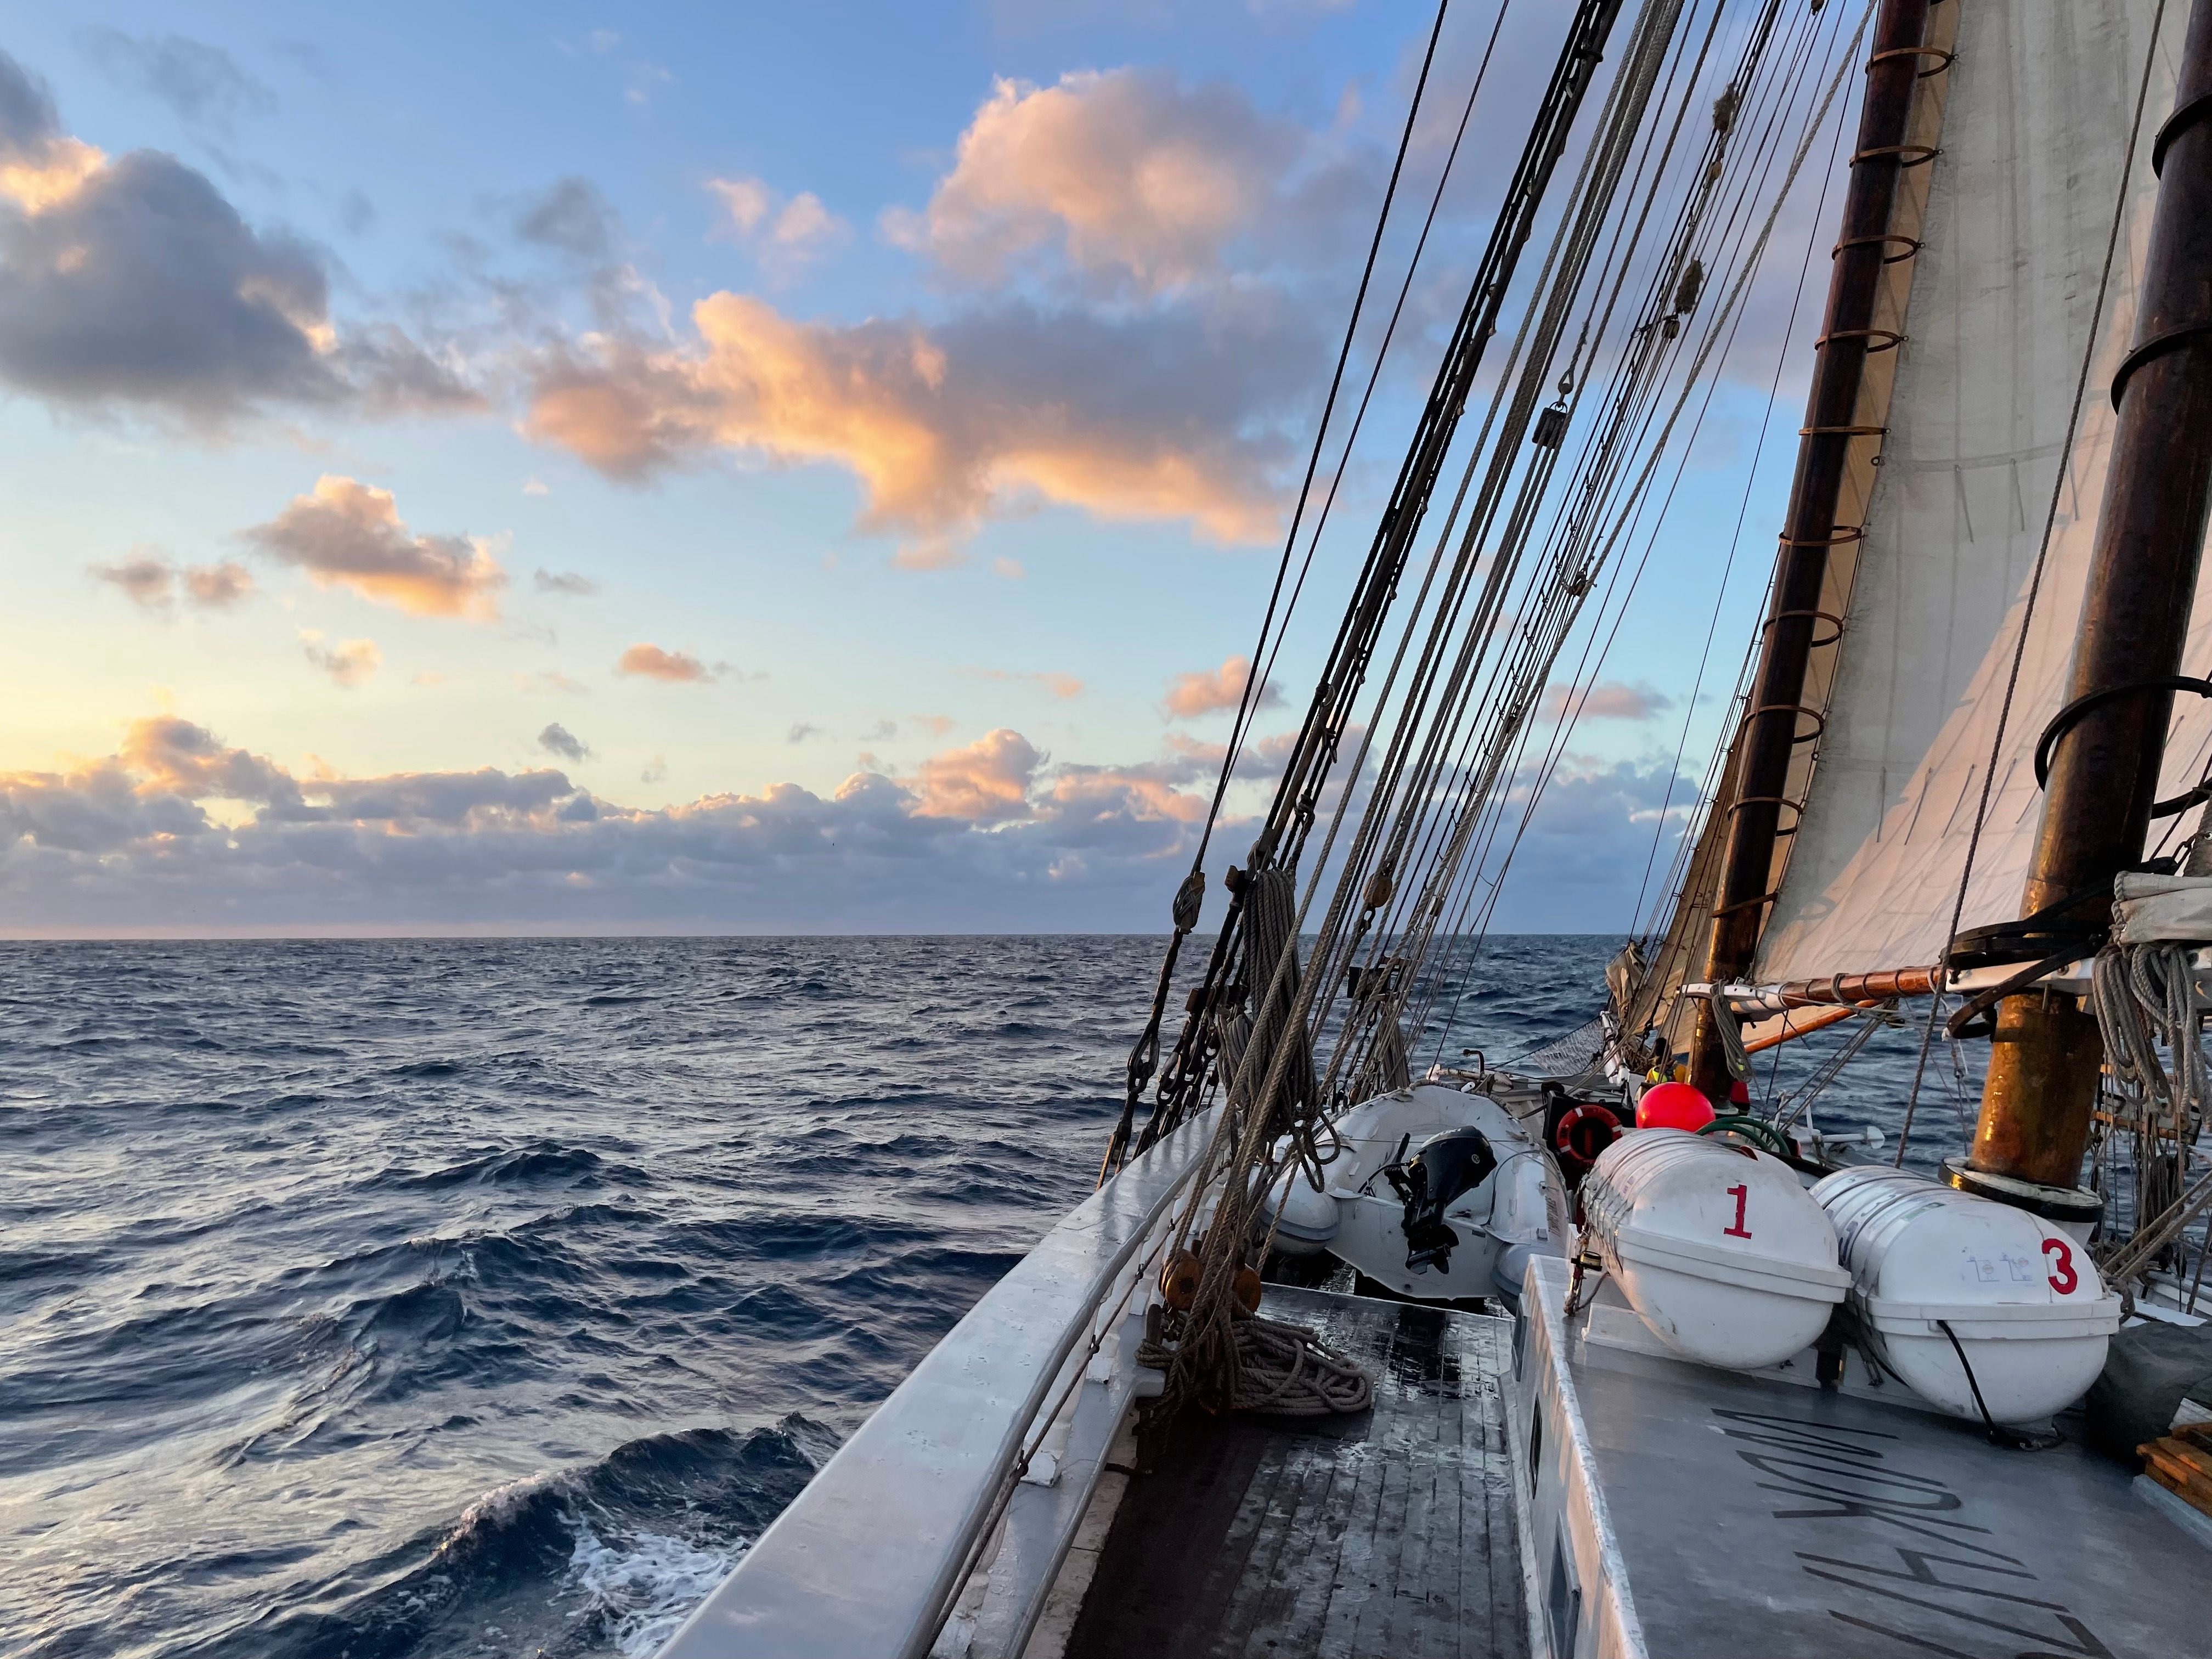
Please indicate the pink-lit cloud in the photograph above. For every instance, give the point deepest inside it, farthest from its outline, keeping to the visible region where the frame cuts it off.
(945, 425)
(651, 662)
(345, 534)
(1606, 700)
(1210, 690)
(1126, 173)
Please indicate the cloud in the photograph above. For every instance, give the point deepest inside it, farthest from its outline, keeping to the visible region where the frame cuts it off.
(1009, 569)
(1606, 700)
(349, 534)
(784, 236)
(993, 836)
(1065, 687)
(147, 581)
(1126, 174)
(987, 783)
(1175, 417)
(881, 731)
(573, 217)
(349, 663)
(801, 731)
(217, 585)
(651, 662)
(988, 836)
(656, 770)
(564, 581)
(134, 283)
(557, 739)
(535, 487)
(1207, 691)
(551, 680)
(642, 79)
(155, 583)
(203, 84)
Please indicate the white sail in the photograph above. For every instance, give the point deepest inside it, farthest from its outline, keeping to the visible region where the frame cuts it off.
(2035, 132)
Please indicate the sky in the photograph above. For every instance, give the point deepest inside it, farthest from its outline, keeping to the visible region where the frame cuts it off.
(733, 468)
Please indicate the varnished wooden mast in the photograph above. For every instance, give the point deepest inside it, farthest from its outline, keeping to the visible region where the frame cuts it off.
(1773, 727)
(2042, 1081)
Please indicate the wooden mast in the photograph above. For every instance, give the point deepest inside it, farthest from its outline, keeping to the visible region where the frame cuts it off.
(2042, 1082)
(1772, 729)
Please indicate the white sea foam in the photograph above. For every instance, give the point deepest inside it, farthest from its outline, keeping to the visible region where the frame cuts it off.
(643, 1585)
(498, 1504)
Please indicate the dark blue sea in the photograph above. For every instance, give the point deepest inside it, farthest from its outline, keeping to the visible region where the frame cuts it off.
(486, 1298)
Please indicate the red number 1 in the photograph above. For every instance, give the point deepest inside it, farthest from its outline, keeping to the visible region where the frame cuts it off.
(1740, 1194)
(2064, 1279)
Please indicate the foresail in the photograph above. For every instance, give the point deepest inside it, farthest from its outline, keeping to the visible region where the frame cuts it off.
(2035, 133)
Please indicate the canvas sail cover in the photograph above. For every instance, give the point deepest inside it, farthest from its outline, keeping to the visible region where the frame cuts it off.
(2035, 129)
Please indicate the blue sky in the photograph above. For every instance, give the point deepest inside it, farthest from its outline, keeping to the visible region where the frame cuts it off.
(737, 468)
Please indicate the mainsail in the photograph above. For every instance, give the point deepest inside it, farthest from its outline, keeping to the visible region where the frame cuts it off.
(2036, 134)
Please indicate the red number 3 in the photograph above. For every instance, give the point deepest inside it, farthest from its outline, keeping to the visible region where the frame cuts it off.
(2064, 1279)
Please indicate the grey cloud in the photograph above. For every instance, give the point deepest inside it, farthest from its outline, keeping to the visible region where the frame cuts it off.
(573, 217)
(143, 287)
(564, 581)
(557, 739)
(202, 84)
(28, 116)
(148, 582)
(800, 731)
(156, 584)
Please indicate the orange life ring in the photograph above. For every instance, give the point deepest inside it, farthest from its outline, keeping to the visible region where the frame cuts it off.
(1581, 1124)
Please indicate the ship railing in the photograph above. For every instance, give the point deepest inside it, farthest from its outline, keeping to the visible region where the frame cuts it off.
(966, 1487)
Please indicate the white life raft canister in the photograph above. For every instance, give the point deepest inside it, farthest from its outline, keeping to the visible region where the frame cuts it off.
(1718, 1249)
(2031, 1316)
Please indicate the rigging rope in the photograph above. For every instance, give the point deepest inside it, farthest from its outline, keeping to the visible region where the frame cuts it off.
(1190, 898)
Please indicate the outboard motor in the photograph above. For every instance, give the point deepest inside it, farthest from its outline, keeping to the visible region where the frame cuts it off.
(1448, 1166)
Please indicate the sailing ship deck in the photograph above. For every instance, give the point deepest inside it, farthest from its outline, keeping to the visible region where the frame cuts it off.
(1392, 1532)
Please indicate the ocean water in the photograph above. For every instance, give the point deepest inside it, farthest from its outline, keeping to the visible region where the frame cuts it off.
(487, 1298)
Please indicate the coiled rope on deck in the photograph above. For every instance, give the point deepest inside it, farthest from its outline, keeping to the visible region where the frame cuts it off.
(1283, 1369)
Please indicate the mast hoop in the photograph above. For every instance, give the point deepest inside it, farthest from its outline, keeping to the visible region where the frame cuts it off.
(1841, 536)
(1944, 57)
(1910, 244)
(1887, 339)
(1819, 718)
(1816, 643)
(2195, 110)
(2071, 715)
(1907, 155)
(2157, 346)
(1736, 806)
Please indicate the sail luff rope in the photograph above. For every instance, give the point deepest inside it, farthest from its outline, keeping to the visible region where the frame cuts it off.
(2035, 579)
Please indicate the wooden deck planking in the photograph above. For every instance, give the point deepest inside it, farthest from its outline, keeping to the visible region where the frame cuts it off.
(1391, 1534)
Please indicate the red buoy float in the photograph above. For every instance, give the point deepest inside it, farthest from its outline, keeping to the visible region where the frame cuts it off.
(1674, 1106)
